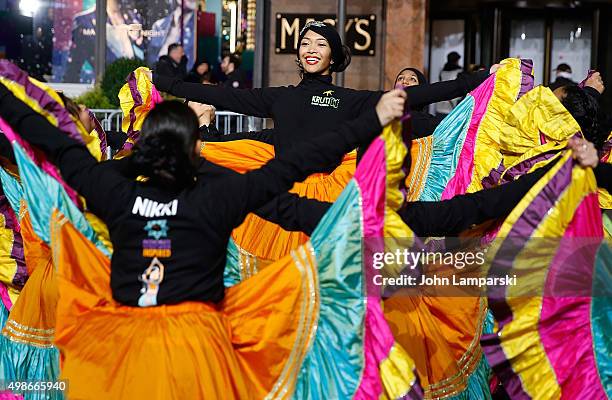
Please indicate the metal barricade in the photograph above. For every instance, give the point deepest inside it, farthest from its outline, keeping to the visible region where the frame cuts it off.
(230, 122)
(110, 119)
(225, 121)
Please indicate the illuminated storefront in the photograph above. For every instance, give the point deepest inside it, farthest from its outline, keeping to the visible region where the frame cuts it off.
(62, 44)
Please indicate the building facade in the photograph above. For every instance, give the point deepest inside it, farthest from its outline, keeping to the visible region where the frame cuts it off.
(384, 35)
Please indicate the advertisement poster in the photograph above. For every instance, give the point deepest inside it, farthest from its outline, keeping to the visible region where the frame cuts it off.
(134, 29)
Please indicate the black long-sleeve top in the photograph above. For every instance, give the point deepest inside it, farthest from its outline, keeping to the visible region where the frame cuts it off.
(116, 139)
(312, 107)
(603, 174)
(210, 133)
(265, 136)
(425, 218)
(424, 124)
(189, 229)
(6, 150)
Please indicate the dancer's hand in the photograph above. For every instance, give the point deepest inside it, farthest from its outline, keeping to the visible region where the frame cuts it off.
(596, 82)
(494, 68)
(584, 152)
(391, 106)
(205, 112)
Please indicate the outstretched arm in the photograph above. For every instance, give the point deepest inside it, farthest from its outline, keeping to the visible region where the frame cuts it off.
(451, 217)
(256, 102)
(585, 153)
(426, 94)
(91, 179)
(436, 218)
(294, 213)
(442, 218)
(603, 174)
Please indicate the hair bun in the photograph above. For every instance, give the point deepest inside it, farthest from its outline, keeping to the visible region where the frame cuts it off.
(345, 62)
(165, 151)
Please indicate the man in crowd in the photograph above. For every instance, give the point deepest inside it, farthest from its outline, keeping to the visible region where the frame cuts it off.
(174, 64)
(450, 71)
(563, 77)
(231, 68)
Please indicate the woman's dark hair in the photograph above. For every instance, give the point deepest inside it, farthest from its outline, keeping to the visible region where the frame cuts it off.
(198, 63)
(585, 110)
(299, 66)
(165, 151)
(346, 60)
(195, 77)
(206, 77)
(70, 105)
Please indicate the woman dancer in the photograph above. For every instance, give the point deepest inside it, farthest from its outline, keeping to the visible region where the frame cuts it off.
(114, 139)
(177, 221)
(301, 111)
(417, 316)
(451, 217)
(24, 355)
(423, 123)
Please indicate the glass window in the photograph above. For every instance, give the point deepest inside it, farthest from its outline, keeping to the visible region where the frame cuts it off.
(447, 35)
(62, 45)
(527, 41)
(36, 51)
(162, 27)
(43, 50)
(572, 46)
(75, 41)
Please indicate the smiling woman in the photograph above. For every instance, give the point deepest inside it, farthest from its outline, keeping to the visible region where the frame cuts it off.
(297, 110)
(314, 54)
(321, 51)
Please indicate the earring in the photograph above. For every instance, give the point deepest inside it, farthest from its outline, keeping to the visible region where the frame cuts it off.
(331, 62)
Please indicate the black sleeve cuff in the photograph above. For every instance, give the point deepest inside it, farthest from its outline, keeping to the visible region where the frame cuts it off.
(4, 91)
(592, 92)
(116, 139)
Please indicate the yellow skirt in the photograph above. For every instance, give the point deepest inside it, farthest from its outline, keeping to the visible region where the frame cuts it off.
(257, 238)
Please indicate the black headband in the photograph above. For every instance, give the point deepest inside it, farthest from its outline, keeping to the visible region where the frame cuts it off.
(331, 35)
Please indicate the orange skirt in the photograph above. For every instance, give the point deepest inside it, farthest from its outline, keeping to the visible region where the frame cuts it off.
(444, 344)
(26, 345)
(187, 351)
(34, 311)
(261, 241)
